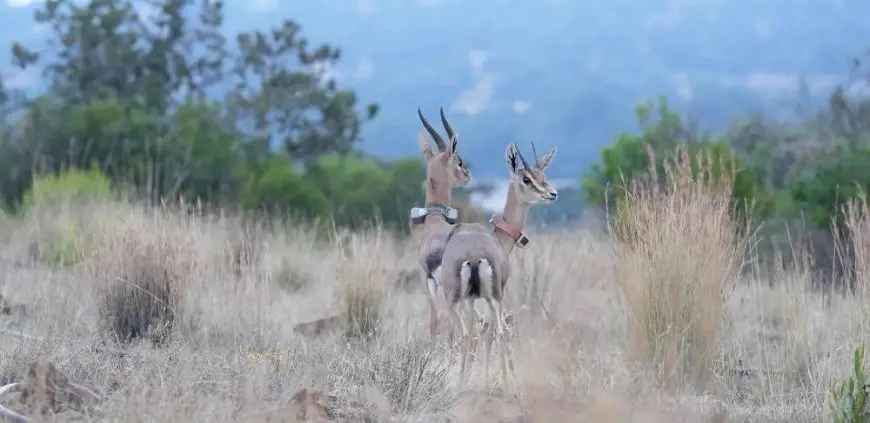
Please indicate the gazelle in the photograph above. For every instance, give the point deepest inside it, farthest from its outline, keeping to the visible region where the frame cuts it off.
(443, 171)
(475, 261)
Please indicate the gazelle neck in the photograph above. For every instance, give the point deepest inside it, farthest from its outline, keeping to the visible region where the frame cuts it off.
(437, 192)
(514, 213)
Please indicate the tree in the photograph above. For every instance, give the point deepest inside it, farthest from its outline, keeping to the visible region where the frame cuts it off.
(274, 187)
(302, 104)
(629, 157)
(358, 189)
(159, 97)
(822, 194)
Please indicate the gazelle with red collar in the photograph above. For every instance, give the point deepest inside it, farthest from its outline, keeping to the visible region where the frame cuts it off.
(475, 261)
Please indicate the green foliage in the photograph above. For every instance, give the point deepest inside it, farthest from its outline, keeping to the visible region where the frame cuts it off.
(847, 400)
(200, 154)
(277, 188)
(68, 186)
(405, 190)
(62, 249)
(630, 154)
(169, 105)
(841, 178)
(360, 189)
(62, 242)
(352, 185)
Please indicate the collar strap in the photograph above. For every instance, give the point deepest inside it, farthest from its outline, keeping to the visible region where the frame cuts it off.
(520, 239)
(419, 214)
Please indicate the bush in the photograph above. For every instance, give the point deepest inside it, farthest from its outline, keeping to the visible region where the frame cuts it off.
(71, 185)
(680, 251)
(410, 374)
(360, 190)
(62, 248)
(362, 277)
(275, 187)
(636, 154)
(142, 270)
(851, 231)
(847, 399)
(63, 238)
(822, 194)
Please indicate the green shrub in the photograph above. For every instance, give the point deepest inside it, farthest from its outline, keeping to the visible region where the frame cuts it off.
(62, 237)
(848, 398)
(63, 249)
(69, 185)
(274, 186)
(645, 154)
(838, 179)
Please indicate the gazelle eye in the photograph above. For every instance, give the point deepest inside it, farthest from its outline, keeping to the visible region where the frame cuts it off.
(526, 180)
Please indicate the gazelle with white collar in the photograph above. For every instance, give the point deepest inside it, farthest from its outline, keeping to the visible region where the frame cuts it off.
(444, 171)
(475, 261)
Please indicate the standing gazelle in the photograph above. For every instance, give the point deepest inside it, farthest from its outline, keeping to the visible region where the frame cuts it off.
(475, 262)
(443, 171)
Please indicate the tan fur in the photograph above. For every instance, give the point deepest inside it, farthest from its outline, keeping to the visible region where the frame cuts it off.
(444, 171)
(475, 245)
(468, 243)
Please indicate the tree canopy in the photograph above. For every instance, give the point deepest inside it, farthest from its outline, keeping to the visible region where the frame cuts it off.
(157, 98)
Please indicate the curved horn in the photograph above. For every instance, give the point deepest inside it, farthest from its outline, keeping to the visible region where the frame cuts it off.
(447, 127)
(439, 142)
(523, 159)
(535, 153)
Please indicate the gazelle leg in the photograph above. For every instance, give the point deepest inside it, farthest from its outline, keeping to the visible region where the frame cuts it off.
(457, 319)
(500, 334)
(433, 312)
(489, 333)
(451, 329)
(433, 320)
(471, 315)
(493, 330)
(510, 335)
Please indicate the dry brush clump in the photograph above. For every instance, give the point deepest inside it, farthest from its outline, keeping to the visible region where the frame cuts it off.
(680, 252)
(142, 271)
(365, 261)
(853, 241)
(412, 377)
(292, 257)
(675, 259)
(772, 341)
(245, 245)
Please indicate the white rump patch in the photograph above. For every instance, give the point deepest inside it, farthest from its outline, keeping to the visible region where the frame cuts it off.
(484, 270)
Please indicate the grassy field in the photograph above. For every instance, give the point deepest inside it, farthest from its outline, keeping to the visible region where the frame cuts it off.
(675, 323)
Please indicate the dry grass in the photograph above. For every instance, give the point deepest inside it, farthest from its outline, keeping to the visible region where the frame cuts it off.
(681, 255)
(141, 268)
(602, 326)
(364, 259)
(854, 242)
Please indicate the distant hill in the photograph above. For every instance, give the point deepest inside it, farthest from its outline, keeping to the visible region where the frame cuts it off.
(560, 72)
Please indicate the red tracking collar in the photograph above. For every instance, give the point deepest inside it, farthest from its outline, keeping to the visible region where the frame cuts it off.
(518, 236)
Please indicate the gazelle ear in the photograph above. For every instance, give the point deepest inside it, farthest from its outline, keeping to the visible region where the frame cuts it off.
(453, 146)
(511, 157)
(425, 148)
(544, 161)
